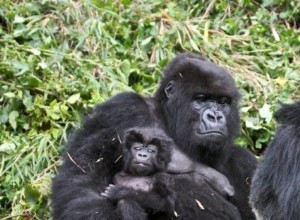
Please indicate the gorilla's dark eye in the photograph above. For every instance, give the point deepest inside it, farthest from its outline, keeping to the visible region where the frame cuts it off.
(151, 151)
(224, 100)
(201, 98)
(137, 148)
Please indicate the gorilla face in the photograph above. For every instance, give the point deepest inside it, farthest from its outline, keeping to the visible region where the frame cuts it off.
(146, 151)
(144, 158)
(212, 114)
(200, 103)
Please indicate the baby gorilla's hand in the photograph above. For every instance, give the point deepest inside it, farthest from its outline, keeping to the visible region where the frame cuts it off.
(111, 192)
(115, 192)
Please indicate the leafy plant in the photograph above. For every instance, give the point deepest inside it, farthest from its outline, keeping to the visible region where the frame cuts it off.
(60, 58)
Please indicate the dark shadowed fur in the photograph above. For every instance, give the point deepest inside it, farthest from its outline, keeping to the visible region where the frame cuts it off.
(275, 190)
(93, 154)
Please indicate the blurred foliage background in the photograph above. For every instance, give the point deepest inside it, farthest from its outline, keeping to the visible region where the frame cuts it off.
(58, 58)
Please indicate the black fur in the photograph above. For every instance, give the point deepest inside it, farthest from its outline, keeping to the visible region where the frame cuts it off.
(93, 153)
(275, 190)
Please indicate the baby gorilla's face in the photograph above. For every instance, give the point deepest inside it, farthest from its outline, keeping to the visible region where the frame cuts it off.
(144, 158)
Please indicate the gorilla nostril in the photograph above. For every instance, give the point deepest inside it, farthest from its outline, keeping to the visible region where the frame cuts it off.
(211, 117)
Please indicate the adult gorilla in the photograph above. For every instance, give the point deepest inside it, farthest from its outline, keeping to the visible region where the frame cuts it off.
(196, 104)
(199, 101)
(275, 192)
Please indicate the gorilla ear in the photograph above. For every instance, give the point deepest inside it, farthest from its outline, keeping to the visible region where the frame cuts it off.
(169, 89)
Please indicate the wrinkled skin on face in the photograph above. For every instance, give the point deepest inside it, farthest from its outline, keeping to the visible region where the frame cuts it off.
(212, 114)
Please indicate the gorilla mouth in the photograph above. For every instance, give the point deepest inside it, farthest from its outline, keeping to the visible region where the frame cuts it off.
(141, 164)
(212, 133)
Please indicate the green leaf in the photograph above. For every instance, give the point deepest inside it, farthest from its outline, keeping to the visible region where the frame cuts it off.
(194, 45)
(266, 113)
(19, 19)
(146, 41)
(12, 119)
(7, 147)
(252, 123)
(33, 81)
(125, 66)
(126, 2)
(73, 98)
(36, 51)
(27, 101)
(31, 195)
(9, 94)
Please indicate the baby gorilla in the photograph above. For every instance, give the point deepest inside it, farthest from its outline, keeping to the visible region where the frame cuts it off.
(142, 187)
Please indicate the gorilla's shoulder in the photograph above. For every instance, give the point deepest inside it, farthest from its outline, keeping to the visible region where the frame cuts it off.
(122, 103)
(120, 111)
(121, 99)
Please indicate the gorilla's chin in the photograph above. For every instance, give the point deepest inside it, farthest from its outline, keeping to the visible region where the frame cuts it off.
(212, 140)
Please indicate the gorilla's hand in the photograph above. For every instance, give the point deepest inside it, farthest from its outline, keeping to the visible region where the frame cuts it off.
(216, 179)
(184, 167)
(115, 192)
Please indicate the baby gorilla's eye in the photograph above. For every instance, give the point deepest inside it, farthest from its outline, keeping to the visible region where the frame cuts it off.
(151, 151)
(137, 148)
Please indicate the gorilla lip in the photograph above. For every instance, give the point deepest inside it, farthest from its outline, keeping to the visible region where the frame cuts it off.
(216, 133)
(141, 164)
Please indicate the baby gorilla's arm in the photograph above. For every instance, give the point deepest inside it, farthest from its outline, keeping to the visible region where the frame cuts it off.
(157, 197)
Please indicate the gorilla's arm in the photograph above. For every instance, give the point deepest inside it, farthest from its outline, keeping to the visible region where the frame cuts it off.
(181, 164)
(81, 179)
(77, 197)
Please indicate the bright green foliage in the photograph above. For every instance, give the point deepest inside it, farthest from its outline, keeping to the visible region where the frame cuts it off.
(58, 58)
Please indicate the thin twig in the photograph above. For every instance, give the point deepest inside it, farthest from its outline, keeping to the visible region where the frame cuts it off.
(118, 158)
(209, 7)
(73, 161)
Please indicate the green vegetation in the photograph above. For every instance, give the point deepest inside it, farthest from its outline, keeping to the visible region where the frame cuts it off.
(58, 58)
